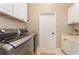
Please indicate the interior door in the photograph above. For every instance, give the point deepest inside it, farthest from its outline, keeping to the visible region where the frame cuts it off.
(47, 30)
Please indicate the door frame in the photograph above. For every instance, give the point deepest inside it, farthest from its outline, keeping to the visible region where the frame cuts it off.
(39, 27)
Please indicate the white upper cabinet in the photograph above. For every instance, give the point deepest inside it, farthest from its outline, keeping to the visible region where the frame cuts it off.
(73, 14)
(20, 11)
(6, 8)
(17, 10)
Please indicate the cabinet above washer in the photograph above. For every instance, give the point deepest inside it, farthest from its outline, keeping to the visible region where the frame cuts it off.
(6, 8)
(16, 10)
(20, 11)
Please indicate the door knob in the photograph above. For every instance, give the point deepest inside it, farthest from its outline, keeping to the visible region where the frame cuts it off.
(53, 33)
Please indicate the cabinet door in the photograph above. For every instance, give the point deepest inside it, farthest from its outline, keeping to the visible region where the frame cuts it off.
(20, 11)
(6, 8)
(73, 14)
(75, 49)
(67, 46)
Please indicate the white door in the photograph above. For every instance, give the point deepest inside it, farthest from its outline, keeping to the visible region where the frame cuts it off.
(47, 30)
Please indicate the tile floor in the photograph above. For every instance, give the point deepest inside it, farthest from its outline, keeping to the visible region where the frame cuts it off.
(56, 51)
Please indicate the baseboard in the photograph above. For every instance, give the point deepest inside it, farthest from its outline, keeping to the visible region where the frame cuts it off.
(63, 51)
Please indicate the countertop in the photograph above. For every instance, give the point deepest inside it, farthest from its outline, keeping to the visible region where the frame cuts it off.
(69, 37)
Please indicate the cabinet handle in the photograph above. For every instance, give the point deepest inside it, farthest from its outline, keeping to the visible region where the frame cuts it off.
(53, 33)
(22, 19)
